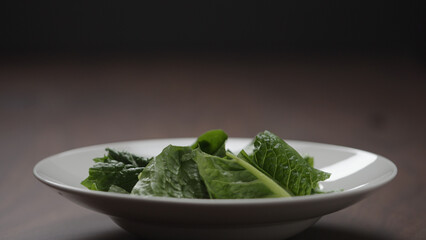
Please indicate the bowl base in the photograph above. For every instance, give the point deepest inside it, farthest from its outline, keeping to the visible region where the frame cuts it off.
(280, 230)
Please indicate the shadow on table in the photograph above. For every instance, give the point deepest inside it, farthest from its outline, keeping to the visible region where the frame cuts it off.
(333, 232)
(111, 235)
(315, 232)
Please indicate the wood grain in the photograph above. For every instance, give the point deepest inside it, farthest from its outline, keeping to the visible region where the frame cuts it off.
(49, 105)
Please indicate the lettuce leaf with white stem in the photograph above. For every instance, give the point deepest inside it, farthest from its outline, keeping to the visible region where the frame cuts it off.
(267, 168)
(232, 177)
(271, 155)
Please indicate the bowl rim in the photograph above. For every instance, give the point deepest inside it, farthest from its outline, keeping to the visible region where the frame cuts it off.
(219, 202)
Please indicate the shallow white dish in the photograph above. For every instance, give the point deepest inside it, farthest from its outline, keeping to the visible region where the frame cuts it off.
(355, 174)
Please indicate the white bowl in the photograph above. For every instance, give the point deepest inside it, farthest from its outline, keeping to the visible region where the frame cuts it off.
(355, 174)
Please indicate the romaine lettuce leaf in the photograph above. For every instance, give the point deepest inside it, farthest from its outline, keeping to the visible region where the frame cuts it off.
(212, 142)
(173, 173)
(104, 174)
(235, 178)
(117, 189)
(267, 168)
(127, 158)
(117, 168)
(282, 163)
(309, 160)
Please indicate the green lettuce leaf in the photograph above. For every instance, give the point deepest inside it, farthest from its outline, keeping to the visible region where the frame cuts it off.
(127, 158)
(234, 178)
(282, 163)
(173, 173)
(104, 174)
(118, 169)
(212, 142)
(309, 160)
(268, 168)
(117, 189)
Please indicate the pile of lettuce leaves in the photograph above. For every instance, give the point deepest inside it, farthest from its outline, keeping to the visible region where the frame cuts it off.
(267, 168)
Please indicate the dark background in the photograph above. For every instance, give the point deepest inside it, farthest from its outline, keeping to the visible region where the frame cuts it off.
(78, 73)
(305, 27)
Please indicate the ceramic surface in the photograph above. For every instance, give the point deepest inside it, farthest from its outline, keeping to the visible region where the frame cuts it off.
(355, 174)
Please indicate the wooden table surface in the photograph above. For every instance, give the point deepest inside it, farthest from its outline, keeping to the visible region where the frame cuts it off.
(51, 104)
